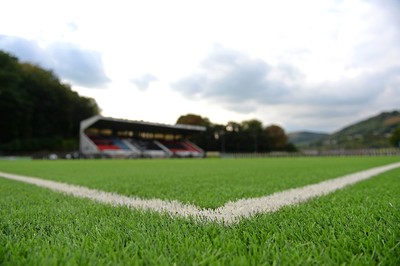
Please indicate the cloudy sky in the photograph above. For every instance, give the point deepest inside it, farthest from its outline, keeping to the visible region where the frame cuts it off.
(305, 65)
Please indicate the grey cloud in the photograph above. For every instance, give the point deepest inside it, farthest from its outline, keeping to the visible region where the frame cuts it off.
(360, 91)
(143, 82)
(288, 73)
(382, 36)
(243, 84)
(24, 49)
(71, 62)
(223, 57)
(81, 66)
(391, 8)
(233, 79)
(345, 102)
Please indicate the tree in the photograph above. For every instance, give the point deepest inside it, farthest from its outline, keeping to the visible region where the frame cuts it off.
(206, 139)
(276, 138)
(38, 112)
(252, 129)
(192, 119)
(247, 136)
(234, 139)
(13, 107)
(395, 138)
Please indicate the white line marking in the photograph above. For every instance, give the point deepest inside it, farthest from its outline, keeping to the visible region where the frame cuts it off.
(229, 213)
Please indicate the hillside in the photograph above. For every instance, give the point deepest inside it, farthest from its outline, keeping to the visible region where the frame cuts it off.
(373, 132)
(305, 138)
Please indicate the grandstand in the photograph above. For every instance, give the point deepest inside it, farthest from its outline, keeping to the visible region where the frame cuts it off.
(106, 137)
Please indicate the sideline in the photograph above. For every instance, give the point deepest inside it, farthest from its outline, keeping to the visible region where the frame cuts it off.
(229, 213)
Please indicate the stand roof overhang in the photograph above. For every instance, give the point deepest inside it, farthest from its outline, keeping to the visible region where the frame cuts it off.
(101, 122)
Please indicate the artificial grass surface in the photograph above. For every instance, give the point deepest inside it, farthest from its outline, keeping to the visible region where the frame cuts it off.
(206, 183)
(359, 225)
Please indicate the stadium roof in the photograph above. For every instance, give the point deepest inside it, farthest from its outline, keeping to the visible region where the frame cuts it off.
(101, 122)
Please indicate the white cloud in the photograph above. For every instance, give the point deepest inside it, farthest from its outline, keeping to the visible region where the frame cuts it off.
(143, 82)
(304, 64)
(71, 62)
(235, 80)
(246, 85)
(80, 66)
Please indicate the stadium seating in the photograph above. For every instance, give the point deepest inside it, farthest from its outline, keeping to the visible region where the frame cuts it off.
(101, 136)
(113, 147)
(183, 148)
(103, 143)
(116, 147)
(151, 148)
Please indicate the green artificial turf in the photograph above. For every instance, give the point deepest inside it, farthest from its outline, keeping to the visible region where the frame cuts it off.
(206, 183)
(359, 225)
